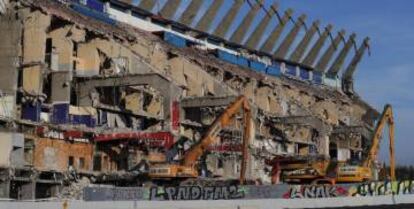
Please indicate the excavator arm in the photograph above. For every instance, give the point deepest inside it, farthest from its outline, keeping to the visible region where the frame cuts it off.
(386, 118)
(195, 152)
(187, 167)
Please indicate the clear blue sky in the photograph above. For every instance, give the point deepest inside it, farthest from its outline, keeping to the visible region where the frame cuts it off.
(385, 76)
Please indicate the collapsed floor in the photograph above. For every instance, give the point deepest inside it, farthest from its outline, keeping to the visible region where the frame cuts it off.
(85, 101)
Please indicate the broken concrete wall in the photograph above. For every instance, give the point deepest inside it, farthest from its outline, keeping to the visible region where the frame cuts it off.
(35, 25)
(52, 154)
(12, 149)
(60, 87)
(64, 39)
(33, 80)
(89, 61)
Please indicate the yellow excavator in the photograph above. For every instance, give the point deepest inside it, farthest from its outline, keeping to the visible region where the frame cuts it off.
(187, 168)
(359, 173)
(321, 170)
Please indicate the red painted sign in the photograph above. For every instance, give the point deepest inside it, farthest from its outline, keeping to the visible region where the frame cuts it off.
(156, 139)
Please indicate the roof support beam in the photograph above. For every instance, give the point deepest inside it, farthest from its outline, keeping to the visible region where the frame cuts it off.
(208, 18)
(327, 56)
(350, 70)
(275, 34)
(147, 5)
(340, 59)
(241, 31)
(283, 49)
(191, 12)
(225, 24)
(300, 50)
(170, 8)
(257, 35)
(314, 52)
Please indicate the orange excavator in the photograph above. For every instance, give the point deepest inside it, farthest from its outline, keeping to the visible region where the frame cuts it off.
(187, 168)
(322, 170)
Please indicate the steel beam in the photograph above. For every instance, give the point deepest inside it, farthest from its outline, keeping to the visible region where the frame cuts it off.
(277, 31)
(225, 24)
(283, 49)
(170, 8)
(241, 31)
(314, 52)
(191, 12)
(327, 56)
(340, 59)
(208, 18)
(257, 35)
(300, 50)
(147, 4)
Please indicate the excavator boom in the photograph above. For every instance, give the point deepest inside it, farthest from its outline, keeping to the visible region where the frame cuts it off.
(362, 173)
(386, 118)
(195, 152)
(187, 168)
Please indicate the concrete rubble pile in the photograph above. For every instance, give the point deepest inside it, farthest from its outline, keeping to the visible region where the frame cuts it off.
(85, 99)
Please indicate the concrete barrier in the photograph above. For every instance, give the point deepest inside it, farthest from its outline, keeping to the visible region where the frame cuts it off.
(219, 204)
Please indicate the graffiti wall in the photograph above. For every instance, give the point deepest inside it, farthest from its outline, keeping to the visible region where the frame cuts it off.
(196, 193)
(247, 192)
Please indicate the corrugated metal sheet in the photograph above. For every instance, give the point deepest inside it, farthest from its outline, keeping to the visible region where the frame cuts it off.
(175, 40)
(274, 70)
(257, 66)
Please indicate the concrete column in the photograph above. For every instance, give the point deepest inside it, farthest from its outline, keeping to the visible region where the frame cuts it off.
(5, 189)
(170, 8)
(275, 34)
(225, 24)
(208, 18)
(191, 12)
(327, 56)
(257, 35)
(340, 59)
(61, 84)
(10, 45)
(241, 31)
(27, 191)
(313, 54)
(147, 4)
(283, 49)
(350, 70)
(303, 45)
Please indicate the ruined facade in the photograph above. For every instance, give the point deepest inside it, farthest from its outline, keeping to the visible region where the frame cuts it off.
(89, 95)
